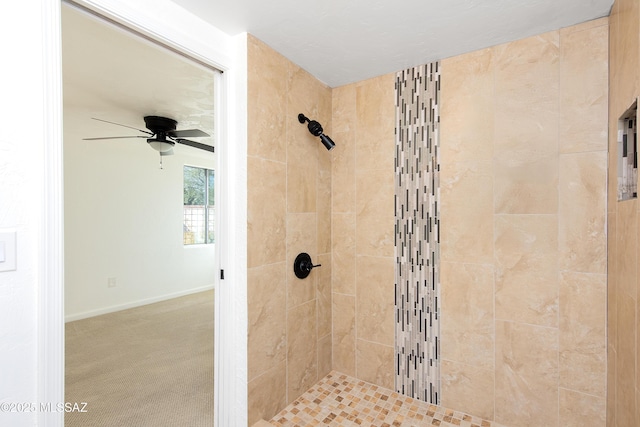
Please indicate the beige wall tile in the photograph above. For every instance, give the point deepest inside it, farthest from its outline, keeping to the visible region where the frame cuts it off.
(627, 59)
(468, 388)
(305, 96)
(375, 212)
(526, 134)
(375, 363)
(344, 108)
(375, 299)
(467, 315)
(267, 394)
(266, 211)
(612, 181)
(267, 88)
(526, 375)
(344, 253)
(344, 154)
(467, 111)
(584, 83)
(626, 265)
(582, 332)
(323, 210)
(343, 173)
(267, 303)
(611, 387)
(324, 356)
(626, 361)
(526, 249)
(524, 184)
(466, 200)
(581, 410)
(302, 349)
(323, 294)
(301, 237)
(302, 171)
(344, 333)
(375, 123)
(582, 215)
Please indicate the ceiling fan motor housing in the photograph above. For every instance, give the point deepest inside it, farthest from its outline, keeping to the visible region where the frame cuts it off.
(160, 125)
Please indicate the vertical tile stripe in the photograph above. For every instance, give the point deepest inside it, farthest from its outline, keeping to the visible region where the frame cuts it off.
(417, 239)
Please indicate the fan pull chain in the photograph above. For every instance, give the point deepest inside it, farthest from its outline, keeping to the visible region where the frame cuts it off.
(161, 161)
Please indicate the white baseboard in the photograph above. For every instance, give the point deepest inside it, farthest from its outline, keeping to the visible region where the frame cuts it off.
(133, 304)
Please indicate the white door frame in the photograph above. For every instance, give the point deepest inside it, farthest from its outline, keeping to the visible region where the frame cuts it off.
(172, 26)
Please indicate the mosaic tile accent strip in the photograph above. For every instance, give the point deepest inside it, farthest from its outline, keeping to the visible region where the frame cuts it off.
(417, 233)
(341, 400)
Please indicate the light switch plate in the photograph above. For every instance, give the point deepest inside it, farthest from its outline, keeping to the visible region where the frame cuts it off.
(8, 244)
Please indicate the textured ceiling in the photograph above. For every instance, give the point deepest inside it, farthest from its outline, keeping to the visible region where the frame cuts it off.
(343, 41)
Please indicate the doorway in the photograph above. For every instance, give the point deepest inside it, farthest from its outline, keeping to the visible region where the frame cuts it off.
(124, 223)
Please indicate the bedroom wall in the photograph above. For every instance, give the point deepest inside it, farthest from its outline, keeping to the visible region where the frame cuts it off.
(123, 220)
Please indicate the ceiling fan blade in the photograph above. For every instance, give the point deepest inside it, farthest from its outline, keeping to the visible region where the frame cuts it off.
(188, 133)
(118, 124)
(195, 144)
(167, 153)
(114, 137)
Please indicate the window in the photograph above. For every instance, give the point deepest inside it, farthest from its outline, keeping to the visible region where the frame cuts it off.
(199, 206)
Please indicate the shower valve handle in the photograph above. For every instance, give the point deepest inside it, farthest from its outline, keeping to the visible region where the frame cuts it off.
(303, 265)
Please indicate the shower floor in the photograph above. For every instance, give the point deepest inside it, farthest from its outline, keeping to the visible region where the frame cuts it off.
(341, 400)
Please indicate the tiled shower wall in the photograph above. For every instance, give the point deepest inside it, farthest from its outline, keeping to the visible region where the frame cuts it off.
(523, 243)
(623, 380)
(289, 211)
(362, 242)
(523, 251)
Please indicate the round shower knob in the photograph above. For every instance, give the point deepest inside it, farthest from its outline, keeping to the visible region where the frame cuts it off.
(303, 265)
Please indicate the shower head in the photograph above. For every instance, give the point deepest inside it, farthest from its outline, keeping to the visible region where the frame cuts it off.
(315, 129)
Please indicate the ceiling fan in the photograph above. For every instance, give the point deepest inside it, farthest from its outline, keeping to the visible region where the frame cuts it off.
(162, 135)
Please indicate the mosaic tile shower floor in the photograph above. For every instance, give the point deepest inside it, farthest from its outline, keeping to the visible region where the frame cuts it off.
(341, 400)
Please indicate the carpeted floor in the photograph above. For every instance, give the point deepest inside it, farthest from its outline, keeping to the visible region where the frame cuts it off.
(146, 366)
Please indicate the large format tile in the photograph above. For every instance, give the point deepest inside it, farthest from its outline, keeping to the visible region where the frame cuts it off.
(468, 388)
(267, 307)
(526, 134)
(344, 253)
(526, 375)
(582, 212)
(301, 237)
(267, 88)
(581, 410)
(584, 81)
(344, 333)
(375, 363)
(375, 299)
(267, 394)
(467, 315)
(375, 121)
(266, 212)
(582, 332)
(466, 227)
(375, 212)
(302, 345)
(527, 268)
(467, 111)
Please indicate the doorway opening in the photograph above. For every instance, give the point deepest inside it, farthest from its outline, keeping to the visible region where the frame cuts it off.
(126, 264)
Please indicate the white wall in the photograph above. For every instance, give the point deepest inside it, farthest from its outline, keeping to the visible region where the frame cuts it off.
(123, 220)
(31, 322)
(22, 200)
